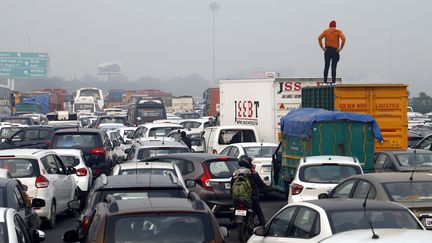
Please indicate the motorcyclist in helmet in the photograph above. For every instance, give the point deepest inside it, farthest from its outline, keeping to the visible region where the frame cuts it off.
(257, 183)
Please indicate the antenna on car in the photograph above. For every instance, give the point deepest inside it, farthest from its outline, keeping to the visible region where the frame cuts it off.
(367, 195)
(415, 162)
(374, 236)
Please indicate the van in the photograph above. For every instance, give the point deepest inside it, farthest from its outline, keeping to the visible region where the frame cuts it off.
(217, 138)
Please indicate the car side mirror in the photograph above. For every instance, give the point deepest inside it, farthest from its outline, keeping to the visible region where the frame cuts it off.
(71, 236)
(323, 196)
(38, 203)
(74, 204)
(259, 231)
(38, 236)
(126, 151)
(8, 140)
(224, 231)
(24, 187)
(190, 183)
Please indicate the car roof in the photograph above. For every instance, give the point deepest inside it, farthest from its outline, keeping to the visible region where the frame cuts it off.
(344, 204)
(194, 156)
(67, 151)
(25, 152)
(153, 125)
(233, 127)
(408, 151)
(255, 144)
(395, 177)
(5, 181)
(137, 181)
(146, 165)
(329, 159)
(150, 205)
(79, 130)
(385, 235)
(160, 143)
(3, 212)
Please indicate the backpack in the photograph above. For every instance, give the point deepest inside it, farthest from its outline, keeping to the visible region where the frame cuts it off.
(241, 187)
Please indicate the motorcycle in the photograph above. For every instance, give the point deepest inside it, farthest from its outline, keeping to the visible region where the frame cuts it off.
(244, 217)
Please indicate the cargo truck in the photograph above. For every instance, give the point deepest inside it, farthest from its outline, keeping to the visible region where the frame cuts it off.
(310, 132)
(49, 102)
(387, 103)
(261, 102)
(211, 102)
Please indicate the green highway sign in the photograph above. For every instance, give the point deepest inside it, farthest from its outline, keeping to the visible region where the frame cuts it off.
(24, 64)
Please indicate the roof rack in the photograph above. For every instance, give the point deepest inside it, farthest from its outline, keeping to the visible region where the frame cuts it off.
(112, 203)
(197, 203)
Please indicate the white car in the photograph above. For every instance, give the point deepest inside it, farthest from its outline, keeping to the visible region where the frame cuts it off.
(83, 175)
(195, 124)
(261, 153)
(13, 228)
(125, 131)
(154, 147)
(382, 236)
(316, 220)
(8, 129)
(45, 176)
(320, 174)
(154, 130)
(153, 168)
(217, 138)
(194, 137)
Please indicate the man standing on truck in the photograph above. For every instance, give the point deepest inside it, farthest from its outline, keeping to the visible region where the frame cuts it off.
(331, 48)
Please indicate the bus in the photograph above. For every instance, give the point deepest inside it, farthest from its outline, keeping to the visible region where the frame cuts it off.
(145, 110)
(92, 92)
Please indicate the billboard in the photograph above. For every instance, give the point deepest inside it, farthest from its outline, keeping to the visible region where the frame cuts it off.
(107, 68)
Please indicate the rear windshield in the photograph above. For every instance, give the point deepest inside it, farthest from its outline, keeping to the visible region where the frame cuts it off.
(236, 136)
(77, 140)
(380, 219)
(144, 193)
(150, 152)
(147, 172)
(189, 116)
(161, 131)
(70, 161)
(119, 120)
(414, 159)
(327, 173)
(20, 168)
(161, 227)
(406, 191)
(222, 169)
(260, 151)
(7, 132)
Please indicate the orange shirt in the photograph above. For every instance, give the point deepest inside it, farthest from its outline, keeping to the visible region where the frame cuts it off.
(331, 36)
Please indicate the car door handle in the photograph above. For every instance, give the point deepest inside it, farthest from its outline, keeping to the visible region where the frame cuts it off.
(310, 188)
(54, 180)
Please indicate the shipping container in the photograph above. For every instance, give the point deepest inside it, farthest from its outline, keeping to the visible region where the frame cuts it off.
(49, 102)
(311, 132)
(387, 103)
(115, 96)
(182, 104)
(58, 99)
(211, 102)
(261, 102)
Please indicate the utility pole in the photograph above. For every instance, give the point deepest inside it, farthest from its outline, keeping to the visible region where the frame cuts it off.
(214, 6)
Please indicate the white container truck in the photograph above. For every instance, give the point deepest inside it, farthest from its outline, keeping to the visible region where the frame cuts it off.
(261, 102)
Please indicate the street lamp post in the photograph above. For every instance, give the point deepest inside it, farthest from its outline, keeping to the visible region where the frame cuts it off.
(214, 6)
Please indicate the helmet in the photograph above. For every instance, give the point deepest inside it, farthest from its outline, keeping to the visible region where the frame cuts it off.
(245, 161)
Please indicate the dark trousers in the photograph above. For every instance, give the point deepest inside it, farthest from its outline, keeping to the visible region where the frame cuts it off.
(258, 211)
(330, 55)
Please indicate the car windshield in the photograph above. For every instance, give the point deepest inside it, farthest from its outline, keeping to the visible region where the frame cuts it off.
(414, 159)
(149, 112)
(190, 124)
(76, 140)
(161, 227)
(3, 233)
(147, 171)
(260, 151)
(70, 160)
(7, 132)
(160, 131)
(84, 107)
(408, 191)
(90, 92)
(236, 136)
(342, 221)
(120, 120)
(19, 168)
(327, 173)
(223, 168)
(150, 152)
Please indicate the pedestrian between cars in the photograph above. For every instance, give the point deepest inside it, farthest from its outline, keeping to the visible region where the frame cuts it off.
(186, 140)
(256, 182)
(331, 49)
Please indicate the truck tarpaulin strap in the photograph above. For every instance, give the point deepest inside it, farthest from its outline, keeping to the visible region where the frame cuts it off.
(299, 122)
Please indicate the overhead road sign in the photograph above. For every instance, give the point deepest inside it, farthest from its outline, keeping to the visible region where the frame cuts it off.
(24, 64)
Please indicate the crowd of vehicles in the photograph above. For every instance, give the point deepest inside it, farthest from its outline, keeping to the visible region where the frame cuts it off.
(138, 173)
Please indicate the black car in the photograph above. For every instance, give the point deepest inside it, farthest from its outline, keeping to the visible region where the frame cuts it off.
(94, 143)
(403, 160)
(35, 137)
(13, 196)
(128, 187)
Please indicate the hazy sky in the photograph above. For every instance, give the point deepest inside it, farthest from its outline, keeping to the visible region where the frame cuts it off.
(167, 38)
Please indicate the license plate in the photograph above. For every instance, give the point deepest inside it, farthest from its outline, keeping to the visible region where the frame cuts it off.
(428, 222)
(240, 212)
(267, 169)
(228, 186)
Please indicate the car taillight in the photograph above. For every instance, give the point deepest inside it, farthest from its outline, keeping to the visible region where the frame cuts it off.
(214, 151)
(296, 189)
(97, 151)
(205, 179)
(81, 172)
(41, 182)
(85, 224)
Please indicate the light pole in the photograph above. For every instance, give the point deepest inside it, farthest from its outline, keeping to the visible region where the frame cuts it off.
(214, 6)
